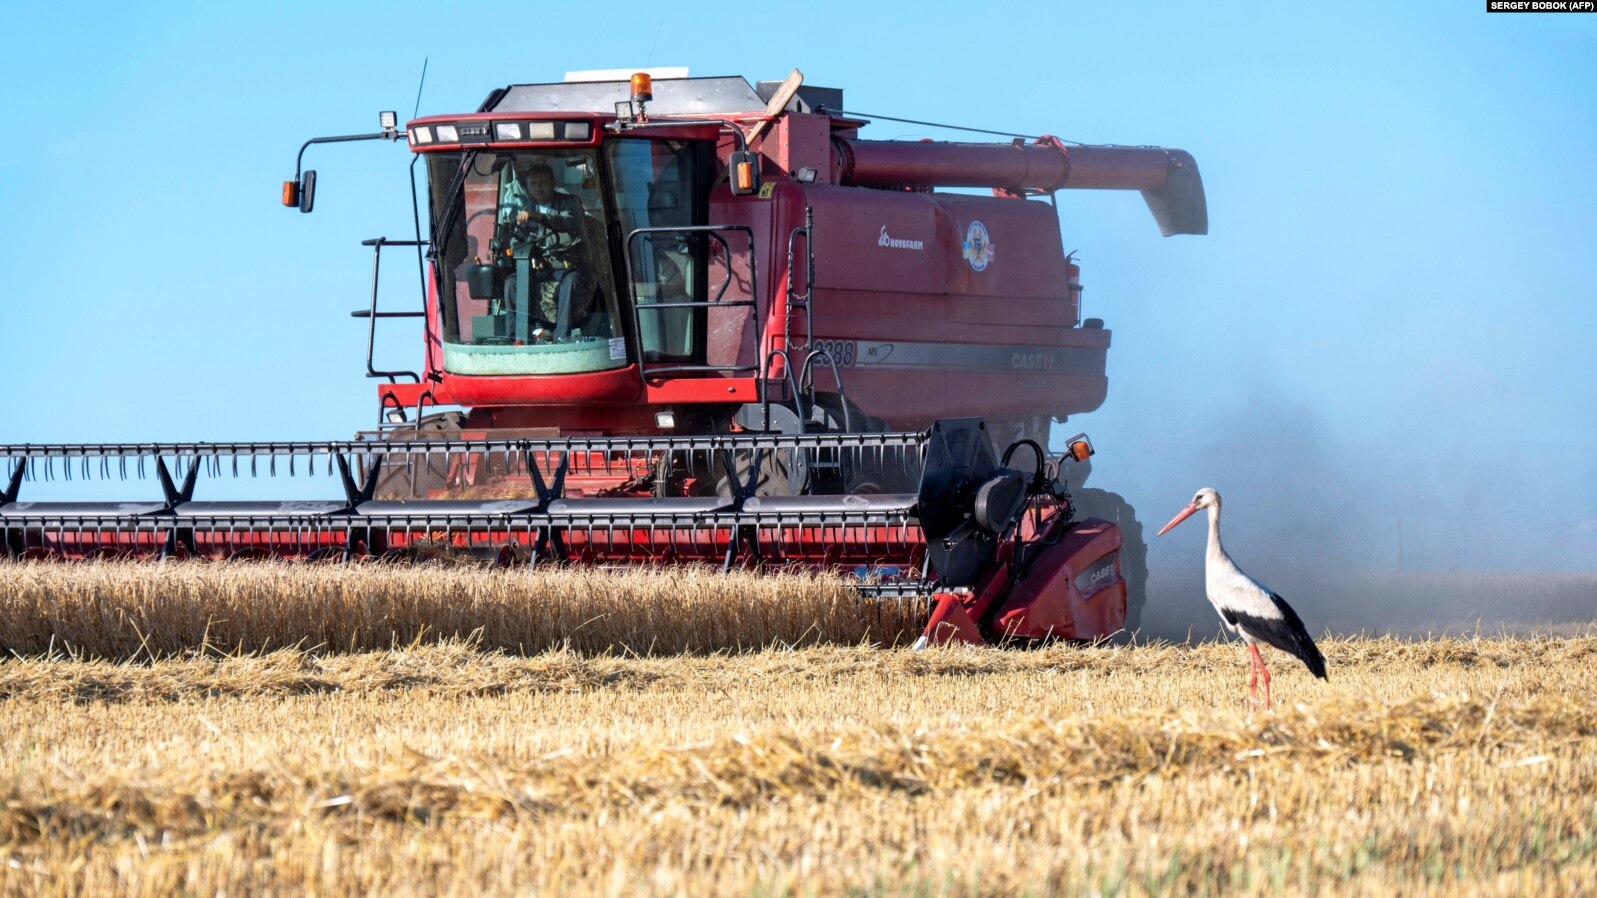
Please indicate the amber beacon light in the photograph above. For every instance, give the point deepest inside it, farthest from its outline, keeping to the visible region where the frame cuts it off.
(642, 87)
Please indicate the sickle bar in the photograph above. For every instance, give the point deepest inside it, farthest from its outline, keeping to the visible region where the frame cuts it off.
(580, 500)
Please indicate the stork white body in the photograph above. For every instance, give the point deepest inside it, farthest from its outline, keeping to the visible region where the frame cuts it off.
(1245, 605)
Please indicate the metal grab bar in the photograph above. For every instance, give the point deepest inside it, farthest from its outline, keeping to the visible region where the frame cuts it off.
(794, 299)
(377, 244)
(807, 382)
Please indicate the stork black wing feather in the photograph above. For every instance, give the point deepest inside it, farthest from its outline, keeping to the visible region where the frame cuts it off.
(1286, 633)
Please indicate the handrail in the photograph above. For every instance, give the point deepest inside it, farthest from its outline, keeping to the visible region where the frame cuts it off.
(765, 393)
(809, 282)
(807, 382)
(371, 315)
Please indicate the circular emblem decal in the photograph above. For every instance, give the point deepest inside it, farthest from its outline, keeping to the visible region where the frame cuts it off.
(978, 247)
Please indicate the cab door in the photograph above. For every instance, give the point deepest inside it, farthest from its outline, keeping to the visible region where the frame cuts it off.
(661, 192)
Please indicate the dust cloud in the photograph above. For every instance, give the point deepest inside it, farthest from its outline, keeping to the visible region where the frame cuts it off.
(1363, 537)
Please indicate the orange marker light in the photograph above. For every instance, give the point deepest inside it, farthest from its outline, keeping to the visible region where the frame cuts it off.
(745, 176)
(291, 193)
(1080, 450)
(642, 86)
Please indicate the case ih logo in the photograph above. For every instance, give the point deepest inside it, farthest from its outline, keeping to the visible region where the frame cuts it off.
(895, 243)
(1094, 579)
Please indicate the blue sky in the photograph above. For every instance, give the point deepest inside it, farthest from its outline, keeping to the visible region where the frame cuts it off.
(1393, 318)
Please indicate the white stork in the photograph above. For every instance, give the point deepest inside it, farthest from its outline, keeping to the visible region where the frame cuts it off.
(1248, 608)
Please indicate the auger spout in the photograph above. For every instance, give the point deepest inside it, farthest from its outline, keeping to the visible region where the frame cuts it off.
(1168, 179)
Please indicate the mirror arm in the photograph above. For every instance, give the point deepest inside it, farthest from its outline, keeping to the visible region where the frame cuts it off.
(299, 161)
(301, 191)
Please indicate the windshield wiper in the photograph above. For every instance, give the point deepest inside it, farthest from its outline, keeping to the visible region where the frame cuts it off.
(451, 207)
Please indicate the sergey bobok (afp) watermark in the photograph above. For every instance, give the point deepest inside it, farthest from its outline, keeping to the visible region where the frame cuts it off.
(1541, 5)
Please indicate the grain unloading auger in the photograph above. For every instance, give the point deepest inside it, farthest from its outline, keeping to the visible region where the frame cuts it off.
(692, 321)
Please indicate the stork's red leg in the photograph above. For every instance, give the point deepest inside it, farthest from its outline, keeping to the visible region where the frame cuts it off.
(1259, 662)
(1256, 662)
(1266, 671)
(1253, 675)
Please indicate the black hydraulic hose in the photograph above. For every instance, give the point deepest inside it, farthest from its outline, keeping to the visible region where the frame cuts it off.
(1037, 474)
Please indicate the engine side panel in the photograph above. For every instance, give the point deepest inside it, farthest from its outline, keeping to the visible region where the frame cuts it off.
(941, 305)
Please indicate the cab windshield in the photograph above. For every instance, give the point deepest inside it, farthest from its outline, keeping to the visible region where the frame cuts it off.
(525, 284)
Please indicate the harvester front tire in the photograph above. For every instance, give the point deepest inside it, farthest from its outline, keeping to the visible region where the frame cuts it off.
(430, 474)
(775, 477)
(866, 472)
(1112, 507)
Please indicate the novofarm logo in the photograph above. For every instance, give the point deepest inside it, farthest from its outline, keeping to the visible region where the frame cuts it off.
(897, 243)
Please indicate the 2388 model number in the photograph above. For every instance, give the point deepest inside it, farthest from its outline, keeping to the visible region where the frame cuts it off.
(841, 351)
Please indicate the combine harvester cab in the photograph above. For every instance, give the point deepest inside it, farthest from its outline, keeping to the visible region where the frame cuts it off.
(688, 320)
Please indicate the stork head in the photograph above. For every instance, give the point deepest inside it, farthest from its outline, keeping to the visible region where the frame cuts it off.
(1205, 498)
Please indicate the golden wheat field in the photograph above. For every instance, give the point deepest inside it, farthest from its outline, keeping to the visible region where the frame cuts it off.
(235, 729)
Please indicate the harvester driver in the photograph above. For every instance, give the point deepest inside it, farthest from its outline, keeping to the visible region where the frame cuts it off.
(549, 223)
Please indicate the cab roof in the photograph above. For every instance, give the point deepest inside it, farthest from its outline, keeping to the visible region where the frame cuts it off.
(726, 95)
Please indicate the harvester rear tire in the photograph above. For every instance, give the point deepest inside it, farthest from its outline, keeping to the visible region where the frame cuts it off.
(1112, 507)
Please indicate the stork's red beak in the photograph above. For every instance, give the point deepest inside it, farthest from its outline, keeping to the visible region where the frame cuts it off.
(1182, 515)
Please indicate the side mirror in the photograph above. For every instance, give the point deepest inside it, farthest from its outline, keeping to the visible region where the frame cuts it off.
(743, 173)
(307, 191)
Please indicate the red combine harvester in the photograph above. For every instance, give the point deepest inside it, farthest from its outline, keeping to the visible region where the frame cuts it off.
(689, 320)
